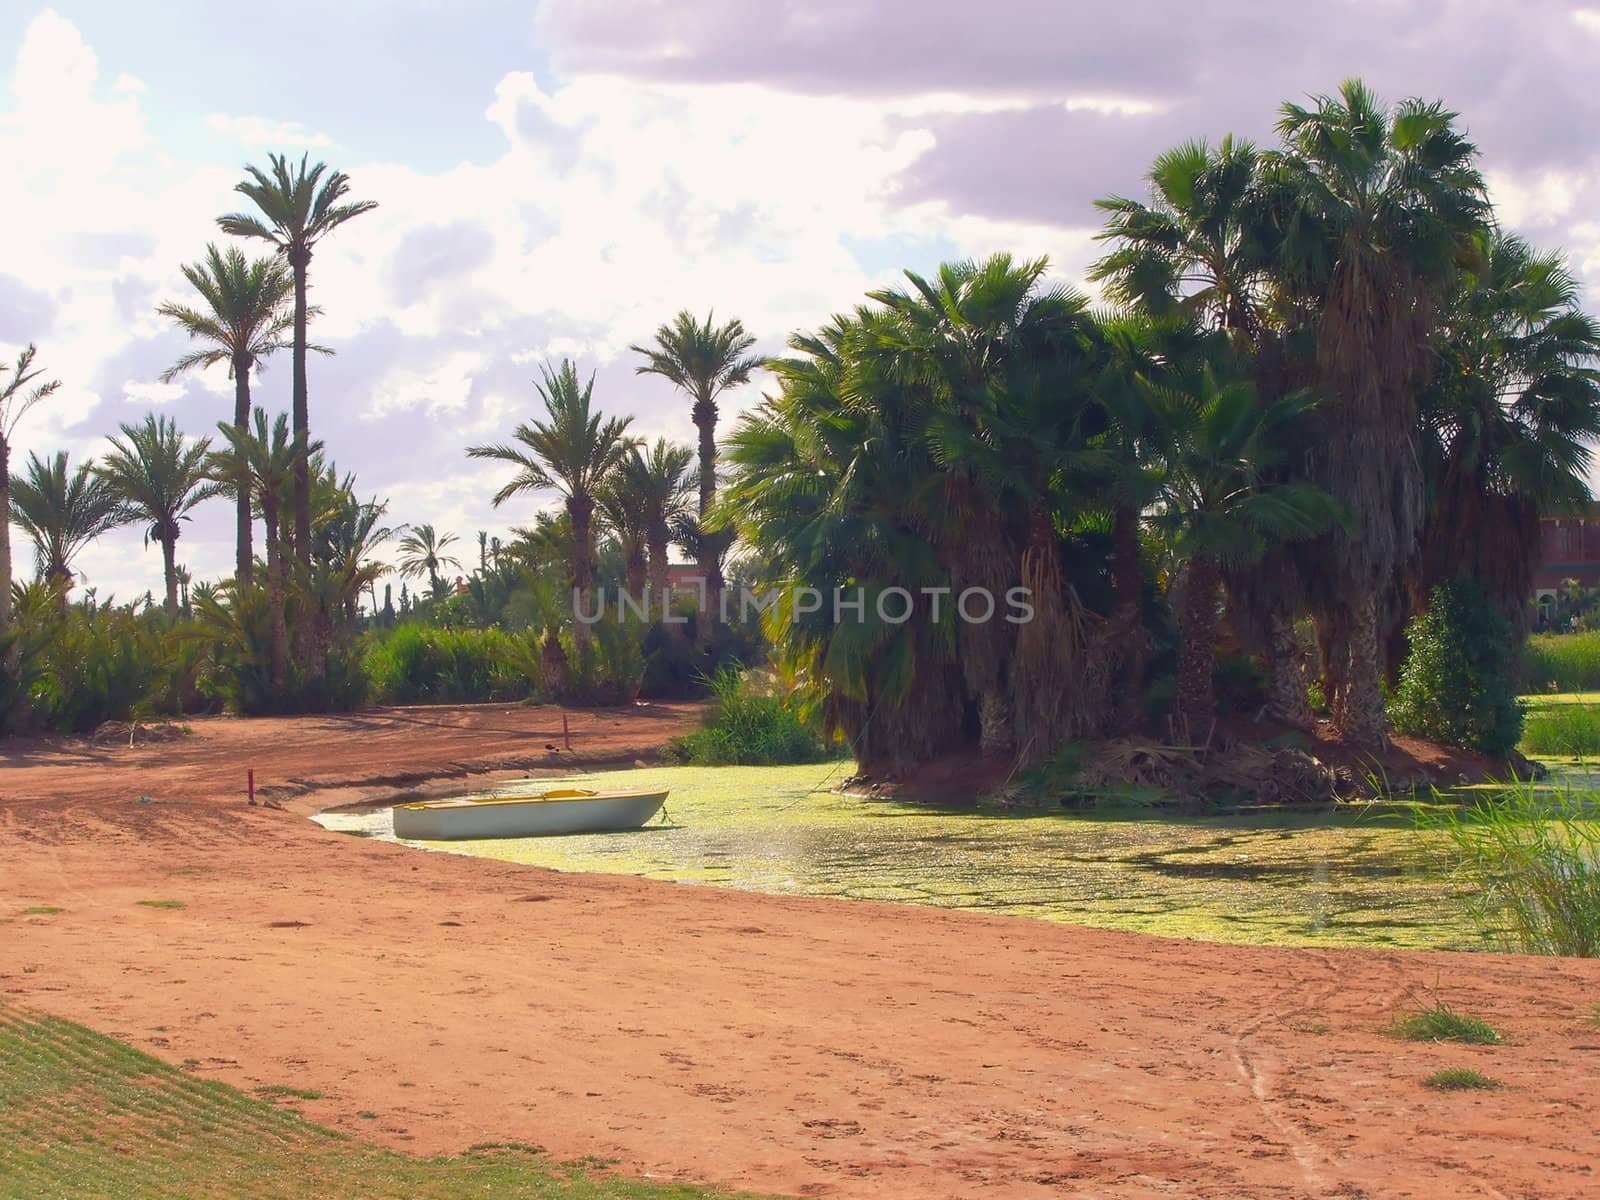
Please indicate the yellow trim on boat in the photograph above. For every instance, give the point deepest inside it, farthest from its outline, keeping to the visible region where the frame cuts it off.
(564, 796)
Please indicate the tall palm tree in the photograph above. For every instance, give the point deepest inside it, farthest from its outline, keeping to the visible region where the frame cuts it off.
(159, 479)
(1205, 249)
(574, 451)
(263, 458)
(299, 206)
(660, 480)
(245, 318)
(422, 552)
(1219, 505)
(63, 511)
(20, 389)
(1383, 205)
(703, 360)
(1510, 422)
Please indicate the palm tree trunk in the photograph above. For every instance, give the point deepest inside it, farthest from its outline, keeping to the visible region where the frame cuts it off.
(635, 569)
(169, 567)
(661, 580)
(1131, 640)
(302, 417)
(244, 559)
(275, 614)
(5, 536)
(1359, 715)
(581, 509)
(705, 420)
(1286, 682)
(1197, 702)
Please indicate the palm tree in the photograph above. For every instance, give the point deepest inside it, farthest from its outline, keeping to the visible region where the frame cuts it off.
(1382, 206)
(422, 553)
(660, 481)
(158, 479)
(1219, 506)
(245, 318)
(263, 459)
(20, 390)
(624, 512)
(703, 360)
(63, 512)
(1205, 250)
(1509, 423)
(574, 451)
(1202, 247)
(301, 205)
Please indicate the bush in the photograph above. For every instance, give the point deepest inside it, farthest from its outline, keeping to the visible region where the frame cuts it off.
(422, 664)
(1532, 863)
(1562, 662)
(747, 726)
(1456, 686)
(1562, 729)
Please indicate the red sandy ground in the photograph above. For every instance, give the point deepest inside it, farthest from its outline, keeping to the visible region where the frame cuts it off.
(804, 1047)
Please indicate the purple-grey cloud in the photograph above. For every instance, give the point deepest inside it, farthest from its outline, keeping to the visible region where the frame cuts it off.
(1519, 74)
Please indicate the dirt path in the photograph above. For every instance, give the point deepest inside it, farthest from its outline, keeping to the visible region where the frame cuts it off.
(804, 1047)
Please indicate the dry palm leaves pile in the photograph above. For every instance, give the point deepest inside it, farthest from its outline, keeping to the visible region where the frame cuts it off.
(1244, 771)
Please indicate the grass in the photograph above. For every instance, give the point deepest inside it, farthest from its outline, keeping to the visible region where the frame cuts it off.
(83, 1115)
(1459, 1079)
(163, 903)
(747, 726)
(42, 910)
(1441, 1023)
(1563, 662)
(292, 1093)
(1572, 729)
(1531, 862)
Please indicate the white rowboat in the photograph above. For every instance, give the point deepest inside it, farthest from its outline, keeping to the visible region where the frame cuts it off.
(563, 811)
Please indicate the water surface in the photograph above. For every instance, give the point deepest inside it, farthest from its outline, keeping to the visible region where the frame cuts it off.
(1352, 876)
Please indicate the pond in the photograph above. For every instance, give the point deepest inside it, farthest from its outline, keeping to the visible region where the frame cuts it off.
(1357, 875)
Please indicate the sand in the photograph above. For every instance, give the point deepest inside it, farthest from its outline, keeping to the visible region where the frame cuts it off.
(792, 1046)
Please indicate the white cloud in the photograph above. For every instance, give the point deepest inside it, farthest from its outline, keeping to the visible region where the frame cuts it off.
(263, 131)
(144, 392)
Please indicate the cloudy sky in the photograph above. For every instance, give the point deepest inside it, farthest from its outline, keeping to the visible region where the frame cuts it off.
(557, 178)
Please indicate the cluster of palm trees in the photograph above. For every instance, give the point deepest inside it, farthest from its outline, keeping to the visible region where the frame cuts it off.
(640, 493)
(318, 535)
(1328, 383)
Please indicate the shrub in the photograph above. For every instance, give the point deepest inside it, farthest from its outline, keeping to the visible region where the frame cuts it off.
(420, 663)
(1532, 863)
(1562, 729)
(1562, 662)
(747, 726)
(1441, 1023)
(1459, 1079)
(1456, 686)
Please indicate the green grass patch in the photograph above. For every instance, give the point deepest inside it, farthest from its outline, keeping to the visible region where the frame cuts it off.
(747, 725)
(163, 904)
(42, 910)
(291, 1093)
(1460, 1079)
(1571, 729)
(83, 1115)
(1562, 662)
(1441, 1023)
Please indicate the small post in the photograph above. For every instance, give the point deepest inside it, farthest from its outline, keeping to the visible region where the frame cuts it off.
(566, 732)
(250, 783)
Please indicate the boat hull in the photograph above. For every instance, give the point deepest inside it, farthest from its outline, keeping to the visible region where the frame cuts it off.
(535, 816)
